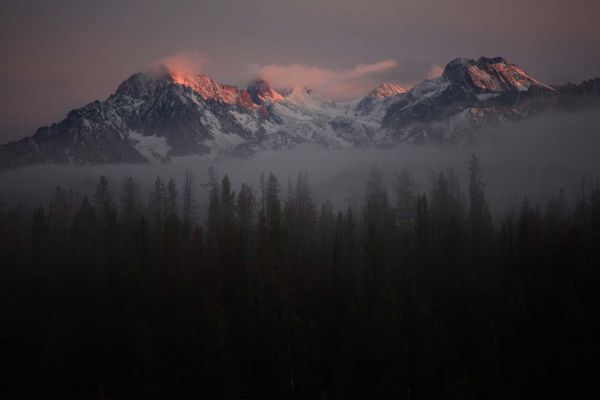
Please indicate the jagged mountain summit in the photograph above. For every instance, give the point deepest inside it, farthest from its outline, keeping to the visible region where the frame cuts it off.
(469, 95)
(161, 115)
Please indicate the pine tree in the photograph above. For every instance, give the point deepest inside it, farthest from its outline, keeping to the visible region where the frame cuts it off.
(378, 235)
(106, 212)
(131, 205)
(273, 214)
(227, 230)
(188, 202)
(104, 202)
(339, 247)
(157, 207)
(300, 222)
(227, 201)
(480, 220)
(213, 224)
(447, 216)
(326, 231)
(39, 237)
(59, 213)
(172, 232)
(245, 211)
(422, 228)
(171, 200)
(84, 234)
(376, 210)
(406, 200)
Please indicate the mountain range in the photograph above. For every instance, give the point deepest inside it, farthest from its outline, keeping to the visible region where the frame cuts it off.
(161, 115)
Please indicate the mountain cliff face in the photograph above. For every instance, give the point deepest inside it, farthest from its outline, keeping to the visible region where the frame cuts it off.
(469, 95)
(159, 116)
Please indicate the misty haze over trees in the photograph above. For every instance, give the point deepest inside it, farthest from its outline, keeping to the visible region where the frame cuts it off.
(415, 293)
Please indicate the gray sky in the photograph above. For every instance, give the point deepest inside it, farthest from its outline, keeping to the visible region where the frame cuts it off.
(62, 54)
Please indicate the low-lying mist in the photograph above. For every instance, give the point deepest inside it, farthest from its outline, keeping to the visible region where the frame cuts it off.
(532, 159)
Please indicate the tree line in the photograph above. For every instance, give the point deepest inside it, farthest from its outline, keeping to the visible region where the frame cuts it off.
(415, 294)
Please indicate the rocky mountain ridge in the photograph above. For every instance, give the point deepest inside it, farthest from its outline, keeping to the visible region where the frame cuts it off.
(161, 115)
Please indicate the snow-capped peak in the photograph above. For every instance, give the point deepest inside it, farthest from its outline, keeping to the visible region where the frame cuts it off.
(379, 99)
(162, 114)
(386, 90)
(302, 97)
(494, 75)
(297, 91)
(208, 88)
(260, 92)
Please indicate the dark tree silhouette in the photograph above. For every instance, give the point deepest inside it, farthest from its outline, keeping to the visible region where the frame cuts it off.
(276, 295)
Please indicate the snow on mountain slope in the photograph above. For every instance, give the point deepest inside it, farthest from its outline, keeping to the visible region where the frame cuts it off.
(161, 115)
(260, 92)
(477, 93)
(372, 108)
(490, 75)
(153, 148)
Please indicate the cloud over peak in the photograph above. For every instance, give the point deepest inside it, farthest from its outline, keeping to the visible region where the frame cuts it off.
(435, 72)
(186, 62)
(340, 84)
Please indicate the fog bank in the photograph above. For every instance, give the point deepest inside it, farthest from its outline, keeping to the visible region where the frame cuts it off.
(534, 158)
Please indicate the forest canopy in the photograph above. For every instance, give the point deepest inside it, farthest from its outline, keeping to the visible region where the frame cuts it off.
(415, 293)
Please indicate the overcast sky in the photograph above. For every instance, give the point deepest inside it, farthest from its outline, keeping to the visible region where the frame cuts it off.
(62, 54)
